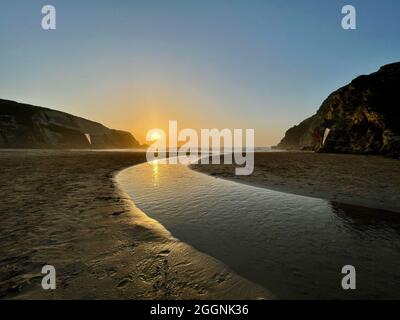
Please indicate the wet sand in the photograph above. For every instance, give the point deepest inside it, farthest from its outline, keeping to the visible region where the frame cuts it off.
(64, 209)
(368, 181)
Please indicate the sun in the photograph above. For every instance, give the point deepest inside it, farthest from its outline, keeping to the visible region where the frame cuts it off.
(155, 136)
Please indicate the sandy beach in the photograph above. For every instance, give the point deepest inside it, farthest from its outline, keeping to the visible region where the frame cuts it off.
(368, 181)
(64, 208)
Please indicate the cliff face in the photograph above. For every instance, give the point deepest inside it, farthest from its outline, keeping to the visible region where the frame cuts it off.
(361, 117)
(26, 126)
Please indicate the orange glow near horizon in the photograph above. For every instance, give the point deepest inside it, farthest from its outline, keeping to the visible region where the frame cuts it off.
(140, 111)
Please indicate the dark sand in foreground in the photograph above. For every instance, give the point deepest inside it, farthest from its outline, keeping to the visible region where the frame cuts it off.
(369, 181)
(64, 209)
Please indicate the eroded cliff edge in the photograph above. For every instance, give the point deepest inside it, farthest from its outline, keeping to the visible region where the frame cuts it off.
(27, 126)
(361, 117)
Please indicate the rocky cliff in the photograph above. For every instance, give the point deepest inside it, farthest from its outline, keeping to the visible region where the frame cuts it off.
(361, 117)
(26, 126)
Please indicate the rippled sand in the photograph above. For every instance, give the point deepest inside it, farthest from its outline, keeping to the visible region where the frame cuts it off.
(64, 209)
(369, 181)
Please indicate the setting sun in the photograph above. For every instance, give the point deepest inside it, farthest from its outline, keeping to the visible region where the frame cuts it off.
(155, 136)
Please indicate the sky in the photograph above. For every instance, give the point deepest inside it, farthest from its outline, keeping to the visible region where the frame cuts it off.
(135, 65)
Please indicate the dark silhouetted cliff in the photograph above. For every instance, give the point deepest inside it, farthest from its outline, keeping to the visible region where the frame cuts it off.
(26, 126)
(361, 117)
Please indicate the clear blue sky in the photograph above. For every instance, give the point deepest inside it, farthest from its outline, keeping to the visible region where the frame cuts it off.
(135, 65)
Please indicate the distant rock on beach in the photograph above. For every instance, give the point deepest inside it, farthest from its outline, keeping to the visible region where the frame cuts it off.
(361, 117)
(27, 126)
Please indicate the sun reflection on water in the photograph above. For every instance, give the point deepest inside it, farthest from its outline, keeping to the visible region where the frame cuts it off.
(155, 172)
